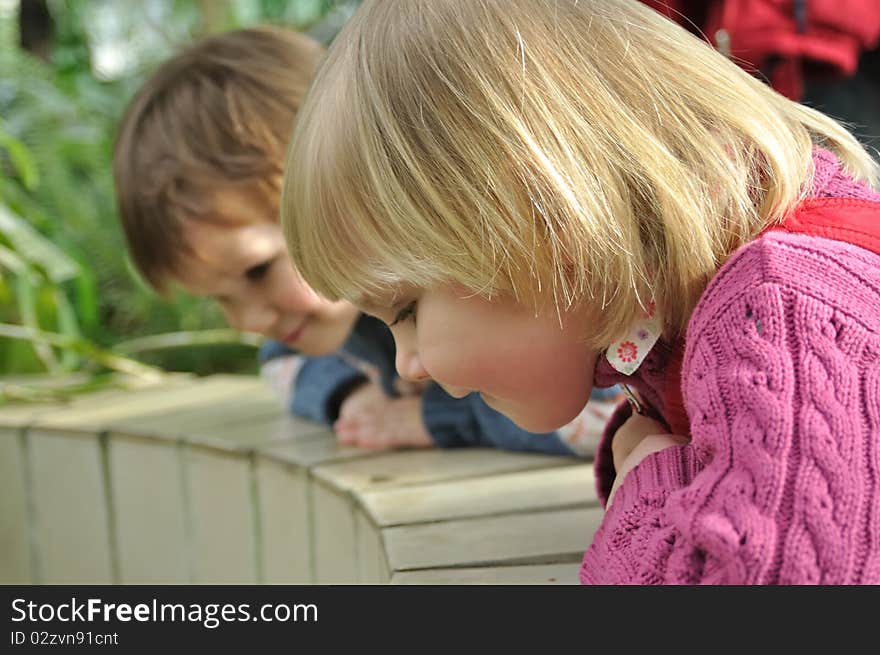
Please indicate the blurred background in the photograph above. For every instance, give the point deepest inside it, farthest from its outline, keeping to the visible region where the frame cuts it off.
(70, 303)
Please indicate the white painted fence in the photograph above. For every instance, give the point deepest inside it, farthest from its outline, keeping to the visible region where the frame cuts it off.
(206, 481)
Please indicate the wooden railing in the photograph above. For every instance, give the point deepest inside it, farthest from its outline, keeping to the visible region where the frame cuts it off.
(206, 481)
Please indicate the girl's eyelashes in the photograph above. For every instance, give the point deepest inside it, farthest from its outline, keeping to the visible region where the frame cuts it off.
(257, 272)
(407, 312)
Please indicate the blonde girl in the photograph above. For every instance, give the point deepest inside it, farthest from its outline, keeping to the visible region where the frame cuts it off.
(543, 196)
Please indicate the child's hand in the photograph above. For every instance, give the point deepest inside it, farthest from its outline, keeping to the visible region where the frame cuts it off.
(639, 437)
(367, 397)
(390, 423)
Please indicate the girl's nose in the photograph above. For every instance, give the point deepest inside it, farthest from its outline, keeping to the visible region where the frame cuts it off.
(409, 366)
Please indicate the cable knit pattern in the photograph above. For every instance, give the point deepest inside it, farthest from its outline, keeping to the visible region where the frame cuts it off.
(830, 181)
(781, 381)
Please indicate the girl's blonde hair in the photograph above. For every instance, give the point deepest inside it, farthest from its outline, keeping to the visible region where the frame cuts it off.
(590, 152)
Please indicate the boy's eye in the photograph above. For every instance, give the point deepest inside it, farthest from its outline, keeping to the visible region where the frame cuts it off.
(407, 312)
(256, 273)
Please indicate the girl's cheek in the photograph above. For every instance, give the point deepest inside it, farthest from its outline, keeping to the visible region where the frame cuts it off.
(430, 357)
(452, 365)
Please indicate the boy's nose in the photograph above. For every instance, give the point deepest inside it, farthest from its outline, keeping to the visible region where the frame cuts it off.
(409, 366)
(257, 318)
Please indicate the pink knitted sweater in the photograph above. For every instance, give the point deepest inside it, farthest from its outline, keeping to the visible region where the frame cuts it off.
(781, 382)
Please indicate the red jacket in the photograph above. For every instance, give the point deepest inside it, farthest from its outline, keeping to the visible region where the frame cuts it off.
(786, 41)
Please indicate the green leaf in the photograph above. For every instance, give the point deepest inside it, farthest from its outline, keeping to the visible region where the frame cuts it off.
(188, 339)
(21, 160)
(87, 304)
(68, 326)
(12, 262)
(83, 346)
(35, 248)
(57, 388)
(27, 306)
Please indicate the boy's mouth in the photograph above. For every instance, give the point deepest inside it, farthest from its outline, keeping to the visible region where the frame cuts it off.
(294, 336)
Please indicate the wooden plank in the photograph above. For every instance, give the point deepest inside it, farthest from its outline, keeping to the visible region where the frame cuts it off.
(534, 574)
(223, 516)
(371, 562)
(249, 511)
(224, 428)
(70, 502)
(150, 511)
(283, 428)
(332, 527)
(15, 557)
(100, 413)
(553, 488)
(337, 487)
(402, 468)
(253, 400)
(25, 414)
(335, 537)
(533, 538)
(22, 415)
(284, 518)
(318, 448)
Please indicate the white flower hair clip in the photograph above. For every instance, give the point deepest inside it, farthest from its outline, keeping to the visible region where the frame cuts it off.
(628, 353)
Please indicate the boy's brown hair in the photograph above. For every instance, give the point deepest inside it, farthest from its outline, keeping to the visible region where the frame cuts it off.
(217, 115)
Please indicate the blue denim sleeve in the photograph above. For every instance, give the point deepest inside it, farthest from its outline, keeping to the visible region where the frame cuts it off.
(454, 423)
(270, 349)
(321, 384)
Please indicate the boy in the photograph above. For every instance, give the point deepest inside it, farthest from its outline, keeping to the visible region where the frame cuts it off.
(198, 165)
